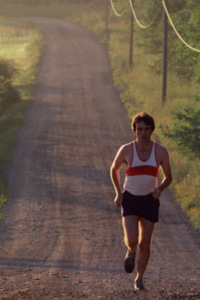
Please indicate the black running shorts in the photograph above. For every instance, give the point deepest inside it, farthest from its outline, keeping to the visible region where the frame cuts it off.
(146, 206)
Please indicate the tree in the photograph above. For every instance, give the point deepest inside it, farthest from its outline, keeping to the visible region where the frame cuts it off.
(186, 17)
(185, 131)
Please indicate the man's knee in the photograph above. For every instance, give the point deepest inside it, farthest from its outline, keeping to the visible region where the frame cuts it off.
(130, 242)
(145, 245)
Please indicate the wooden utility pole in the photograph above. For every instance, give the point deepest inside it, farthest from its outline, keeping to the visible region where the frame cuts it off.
(107, 5)
(164, 66)
(131, 40)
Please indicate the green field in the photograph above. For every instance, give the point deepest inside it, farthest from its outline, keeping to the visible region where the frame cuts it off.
(139, 86)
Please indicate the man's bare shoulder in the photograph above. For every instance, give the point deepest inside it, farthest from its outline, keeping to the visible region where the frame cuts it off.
(123, 155)
(126, 148)
(160, 148)
(161, 152)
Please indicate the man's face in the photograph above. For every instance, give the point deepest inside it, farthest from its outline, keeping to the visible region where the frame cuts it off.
(143, 132)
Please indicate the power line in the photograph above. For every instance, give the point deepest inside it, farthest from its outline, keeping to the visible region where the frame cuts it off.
(114, 10)
(137, 21)
(171, 23)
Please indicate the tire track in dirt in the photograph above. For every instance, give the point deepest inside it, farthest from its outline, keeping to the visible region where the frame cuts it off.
(61, 235)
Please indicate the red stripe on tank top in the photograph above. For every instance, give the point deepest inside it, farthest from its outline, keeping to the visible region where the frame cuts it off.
(142, 170)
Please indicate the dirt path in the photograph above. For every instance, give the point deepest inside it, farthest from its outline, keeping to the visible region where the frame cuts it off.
(61, 236)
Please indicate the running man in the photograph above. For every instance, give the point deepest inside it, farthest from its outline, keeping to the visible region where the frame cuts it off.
(139, 200)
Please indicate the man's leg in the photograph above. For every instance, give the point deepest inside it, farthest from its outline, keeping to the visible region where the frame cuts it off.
(130, 227)
(145, 234)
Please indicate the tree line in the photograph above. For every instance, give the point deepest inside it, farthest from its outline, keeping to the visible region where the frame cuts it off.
(186, 16)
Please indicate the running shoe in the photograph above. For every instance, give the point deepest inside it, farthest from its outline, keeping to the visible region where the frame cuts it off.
(129, 262)
(138, 285)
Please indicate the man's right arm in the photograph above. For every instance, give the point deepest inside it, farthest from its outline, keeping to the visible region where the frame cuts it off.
(115, 175)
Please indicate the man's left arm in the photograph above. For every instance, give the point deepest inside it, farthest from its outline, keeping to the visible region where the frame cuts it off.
(166, 169)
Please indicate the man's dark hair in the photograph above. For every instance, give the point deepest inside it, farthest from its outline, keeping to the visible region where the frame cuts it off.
(143, 117)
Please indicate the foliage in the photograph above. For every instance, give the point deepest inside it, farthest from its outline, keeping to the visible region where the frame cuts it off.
(185, 131)
(186, 18)
(20, 51)
(8, 93)
(7, 69)
(187, 61)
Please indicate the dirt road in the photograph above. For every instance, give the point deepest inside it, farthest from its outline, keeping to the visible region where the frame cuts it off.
(61, 235)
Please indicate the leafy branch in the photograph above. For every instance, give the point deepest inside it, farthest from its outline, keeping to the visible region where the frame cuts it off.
(185, 131)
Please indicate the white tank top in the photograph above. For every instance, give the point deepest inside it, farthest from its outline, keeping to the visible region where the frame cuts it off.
(141, 177)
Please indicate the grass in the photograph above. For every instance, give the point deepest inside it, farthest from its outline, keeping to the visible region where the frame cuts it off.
(140, 86)
(21, 44)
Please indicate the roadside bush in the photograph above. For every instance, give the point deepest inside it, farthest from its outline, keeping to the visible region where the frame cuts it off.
(7, 70)
(185, 131)
(8, 93)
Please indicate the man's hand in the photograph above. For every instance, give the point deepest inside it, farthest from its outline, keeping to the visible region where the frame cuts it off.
(118, 200)
(156, 193)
